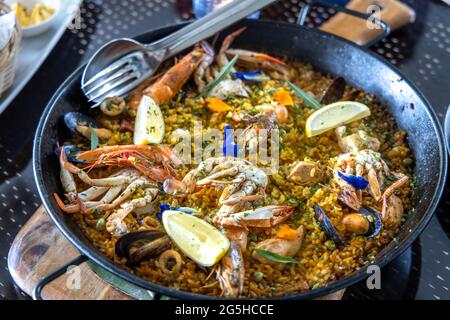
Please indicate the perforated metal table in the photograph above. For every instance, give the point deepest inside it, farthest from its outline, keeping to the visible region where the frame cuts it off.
(421, 51)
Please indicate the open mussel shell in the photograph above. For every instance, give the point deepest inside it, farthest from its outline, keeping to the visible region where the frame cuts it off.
(71, 153)
(374, 219)
(147, 244)
(335, 91)
(79, 124)
(327, 226)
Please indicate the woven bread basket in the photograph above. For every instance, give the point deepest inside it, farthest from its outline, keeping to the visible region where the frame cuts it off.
(8, 55)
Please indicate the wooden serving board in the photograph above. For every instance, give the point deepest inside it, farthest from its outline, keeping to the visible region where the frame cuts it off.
(40, 248)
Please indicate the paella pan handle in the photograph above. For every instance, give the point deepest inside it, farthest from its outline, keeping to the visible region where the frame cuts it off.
(372, 25)
(55, 274)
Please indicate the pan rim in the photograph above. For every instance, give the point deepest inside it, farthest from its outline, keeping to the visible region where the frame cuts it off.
(97, 257)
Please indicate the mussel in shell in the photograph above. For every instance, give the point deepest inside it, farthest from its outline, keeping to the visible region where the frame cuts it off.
(327, 225)
(367, 222)
(335, 91)
(81, 125)
(141, 245)
(71, 153)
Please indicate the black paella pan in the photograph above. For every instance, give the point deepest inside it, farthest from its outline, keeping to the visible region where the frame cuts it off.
(359, 66)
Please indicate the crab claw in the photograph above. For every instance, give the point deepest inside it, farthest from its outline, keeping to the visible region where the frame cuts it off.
(260, 61)
(263, 217)
(350, 199)
(71, 208)
(266, 57)
(250, 56)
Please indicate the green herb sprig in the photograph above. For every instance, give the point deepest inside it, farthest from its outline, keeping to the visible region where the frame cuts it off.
(274, 257)
(309, 101)
(222, 74)
(94, 138)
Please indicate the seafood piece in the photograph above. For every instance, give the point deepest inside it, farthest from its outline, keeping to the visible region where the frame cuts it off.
(227, 88)
(305, 173)
(369, 163)
(114, 180)
(263, 217)
(71, 151)
(221, 58)
(170, 262)
(202, 75)
(92, 193)
(392, 208)
(111, 200)
(111, 187)
(247, 178)
(231, 271)
(392, 212)
(266, 117)
(126, 126)
(356, 141)
(335, 91)
(148, 244)
(275, 67)
(115, 223)
(112, 106)
(84, 201)
(260, 127)
(81, 125)
(367, 222)
(282, 247)
(356, 223)
(171, 81)
(157, 162)
(401, 180)
(365, 163)
(66, 177)
(238, 235)
(348, 197)
(327, 226)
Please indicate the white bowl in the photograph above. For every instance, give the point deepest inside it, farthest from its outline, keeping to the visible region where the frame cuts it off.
(39, 28)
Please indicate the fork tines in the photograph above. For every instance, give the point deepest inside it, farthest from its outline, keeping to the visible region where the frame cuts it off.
(115, 80)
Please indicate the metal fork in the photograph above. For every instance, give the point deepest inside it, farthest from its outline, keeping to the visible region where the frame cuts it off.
(122, 64)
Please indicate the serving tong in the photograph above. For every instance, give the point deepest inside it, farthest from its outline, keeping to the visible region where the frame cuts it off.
(122, 64)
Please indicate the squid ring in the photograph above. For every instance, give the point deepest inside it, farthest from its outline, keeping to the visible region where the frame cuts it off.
(170, 262)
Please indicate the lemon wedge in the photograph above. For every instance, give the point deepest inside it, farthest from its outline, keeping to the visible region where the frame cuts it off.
(334, 115)
(198, 240)
(149, 126)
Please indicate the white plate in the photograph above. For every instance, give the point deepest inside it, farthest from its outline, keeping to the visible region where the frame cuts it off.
(34, 50)
(37, 29)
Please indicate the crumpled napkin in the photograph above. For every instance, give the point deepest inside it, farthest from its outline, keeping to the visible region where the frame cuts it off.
(7, 23)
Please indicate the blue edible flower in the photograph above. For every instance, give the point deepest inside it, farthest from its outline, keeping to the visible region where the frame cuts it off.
(164, 207)
(229, 147)
(357, 182)
(256, 75)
